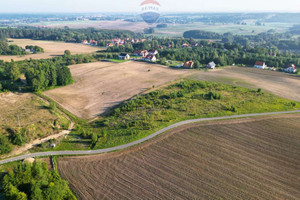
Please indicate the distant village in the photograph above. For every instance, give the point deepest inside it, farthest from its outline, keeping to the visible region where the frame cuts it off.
(151, 56)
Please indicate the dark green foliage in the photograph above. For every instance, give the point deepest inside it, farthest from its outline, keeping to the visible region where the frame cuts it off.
(162, 26)
(35, 49)
(6, 49)
(149, 30)
(64, 76)
(67, 53)
(35, 181)
(198, 34)
(259, 90)
(5, 145)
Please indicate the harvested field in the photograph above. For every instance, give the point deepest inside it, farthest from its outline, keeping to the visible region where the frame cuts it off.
(278, 83)
(101, 85)
(256, 158)
(51, 49)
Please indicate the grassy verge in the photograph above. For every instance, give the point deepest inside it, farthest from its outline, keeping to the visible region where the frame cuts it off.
(117, 60)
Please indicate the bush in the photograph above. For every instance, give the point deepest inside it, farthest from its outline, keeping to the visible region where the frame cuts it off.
(5, 145)
(259, 90)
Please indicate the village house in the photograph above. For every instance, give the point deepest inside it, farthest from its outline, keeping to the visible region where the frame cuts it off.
(195, 44)
(260, 65)
(153, 52)
(290, 68)
(84, 42)
(150, 58)
(109, 45)
(211, 65)
(185, 45)
(141, 53)
(188, 64)
(124, 56)
(29, 51)
(93, 42)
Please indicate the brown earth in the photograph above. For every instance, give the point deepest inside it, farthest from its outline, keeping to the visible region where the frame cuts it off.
(51, 49)
(278, 83)
(99, 86)
(255, 158)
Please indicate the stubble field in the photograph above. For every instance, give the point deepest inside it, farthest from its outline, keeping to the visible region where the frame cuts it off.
(278, 83)
(51, 49)
(254, 158)
(101, 85)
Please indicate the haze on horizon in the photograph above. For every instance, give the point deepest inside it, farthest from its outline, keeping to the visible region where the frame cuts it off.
(84, 6)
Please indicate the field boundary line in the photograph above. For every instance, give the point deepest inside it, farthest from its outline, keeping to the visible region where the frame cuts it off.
(124, 146)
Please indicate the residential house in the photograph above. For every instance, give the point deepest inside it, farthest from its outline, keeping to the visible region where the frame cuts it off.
(84, 42)
(124, 56)
(185, 45)
(290, 68)
(109, 45)
(150, 58)
(211, 65)
(141, 53)
(153, 52)
(188, 64)
(260, 65)
(195, 44)
(93, 42)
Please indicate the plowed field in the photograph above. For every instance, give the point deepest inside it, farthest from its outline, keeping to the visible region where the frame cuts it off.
(255, 158)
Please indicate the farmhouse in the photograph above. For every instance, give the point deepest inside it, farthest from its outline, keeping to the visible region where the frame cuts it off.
(153, 52)
(211, 65)
(260, 65)
(150, 58)
(290, 68)
(188, 64)
(124, 56)
(109, 45)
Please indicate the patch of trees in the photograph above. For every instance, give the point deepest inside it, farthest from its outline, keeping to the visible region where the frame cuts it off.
(35, 49)
(295, 29)
(198, 34)
(149, 30)
(6, 49)
(67, 35)
(35, 181)
(162, 26)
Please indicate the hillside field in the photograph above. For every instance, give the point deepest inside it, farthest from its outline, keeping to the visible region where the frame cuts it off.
(254, 158)
(101, 85)
(51, 49)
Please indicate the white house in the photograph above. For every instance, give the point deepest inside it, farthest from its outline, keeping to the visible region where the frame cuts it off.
(260, 65)
(153, 52)
(124, 56)
(290, 68)
(150, 58)
(211, 65)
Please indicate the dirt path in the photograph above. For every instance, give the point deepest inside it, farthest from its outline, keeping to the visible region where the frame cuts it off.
(121, 147)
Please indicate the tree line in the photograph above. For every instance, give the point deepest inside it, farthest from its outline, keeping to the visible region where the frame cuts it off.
(35, 181)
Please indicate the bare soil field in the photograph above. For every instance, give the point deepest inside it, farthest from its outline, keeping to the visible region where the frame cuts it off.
(254, 158)
(278, 83)
(51, 49)
(99, 86)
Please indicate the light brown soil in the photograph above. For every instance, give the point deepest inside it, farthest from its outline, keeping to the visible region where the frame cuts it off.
(51, 49)
(101, 85)
(278, 83)
(255, 158)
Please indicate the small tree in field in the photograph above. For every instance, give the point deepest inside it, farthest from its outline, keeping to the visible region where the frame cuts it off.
(67, 53)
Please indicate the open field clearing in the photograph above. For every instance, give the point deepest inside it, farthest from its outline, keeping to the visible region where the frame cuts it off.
(51, 49)
(29, 116)
(101, 85)
(172, 29)
(278, 83)
(254, 158)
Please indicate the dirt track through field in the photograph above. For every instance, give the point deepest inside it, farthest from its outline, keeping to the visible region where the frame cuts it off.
(101, 85)
(255, 158)
(51, 49)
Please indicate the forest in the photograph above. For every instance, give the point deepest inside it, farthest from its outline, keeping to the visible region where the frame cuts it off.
(6, 49)
(66, 35)
(35, 181)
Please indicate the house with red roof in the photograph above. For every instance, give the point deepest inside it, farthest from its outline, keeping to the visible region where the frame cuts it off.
(260, 65)
(290, 68)
(188, 64)
(150, 58)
